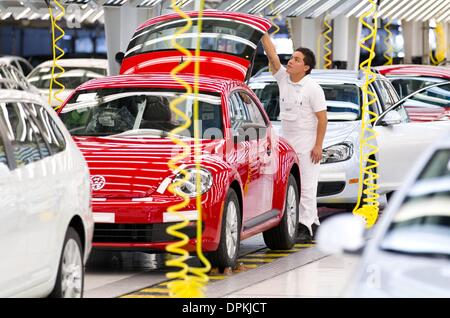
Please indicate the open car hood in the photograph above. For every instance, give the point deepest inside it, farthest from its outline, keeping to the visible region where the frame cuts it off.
(228, 43)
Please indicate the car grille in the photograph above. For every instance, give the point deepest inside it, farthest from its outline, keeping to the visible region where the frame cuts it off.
(330, 188)
(137, 233)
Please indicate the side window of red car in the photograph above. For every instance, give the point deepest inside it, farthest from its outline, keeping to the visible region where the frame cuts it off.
(246, 118)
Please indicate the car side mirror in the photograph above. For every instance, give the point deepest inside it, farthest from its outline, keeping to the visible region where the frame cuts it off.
(341, 234)
(391, 118)
(119, 57)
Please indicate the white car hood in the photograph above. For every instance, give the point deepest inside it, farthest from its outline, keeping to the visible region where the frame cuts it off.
(336, 133)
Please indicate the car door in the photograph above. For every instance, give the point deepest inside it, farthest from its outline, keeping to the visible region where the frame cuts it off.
(37, 195)
(259, 176)
(401, 142)
(12, 232)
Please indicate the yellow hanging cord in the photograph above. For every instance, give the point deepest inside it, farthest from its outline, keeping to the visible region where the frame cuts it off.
(388, 42)
(327, 29)
(367, 164)
(55, 47)
(184, 285)
(441, 45)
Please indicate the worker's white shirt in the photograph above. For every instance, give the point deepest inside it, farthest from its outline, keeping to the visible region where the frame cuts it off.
(299, 103)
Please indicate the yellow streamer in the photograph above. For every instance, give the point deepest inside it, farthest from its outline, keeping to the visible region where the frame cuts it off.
(55, 47)
(388, 42)
(185, 285)
(370, 208)
(441, 45)
(327, 29)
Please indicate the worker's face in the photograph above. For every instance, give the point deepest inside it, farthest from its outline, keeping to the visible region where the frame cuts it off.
(296, 64)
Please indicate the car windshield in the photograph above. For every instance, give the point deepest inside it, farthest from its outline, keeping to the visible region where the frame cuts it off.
(139, 113)
(70, 79)
(343, 100)
(422, 224)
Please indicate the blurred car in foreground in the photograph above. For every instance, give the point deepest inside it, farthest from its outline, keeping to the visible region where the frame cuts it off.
(400, 142)
(46, 223)
(408, 79)
(76, 72)
(409, 254)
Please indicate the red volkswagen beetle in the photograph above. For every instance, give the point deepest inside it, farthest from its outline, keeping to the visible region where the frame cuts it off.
(249, 177)
(431, 104)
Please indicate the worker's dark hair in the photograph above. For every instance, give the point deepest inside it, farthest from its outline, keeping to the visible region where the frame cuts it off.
(309, 59)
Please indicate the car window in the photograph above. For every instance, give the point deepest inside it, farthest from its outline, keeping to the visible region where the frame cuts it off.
(343, 100)
(252, 108)
(218, 35)
(245, 116)
(26, 140)
(25, 68)
(50, 131)
(406, 86)
(437, 166)
(433, 97)
(384, 94)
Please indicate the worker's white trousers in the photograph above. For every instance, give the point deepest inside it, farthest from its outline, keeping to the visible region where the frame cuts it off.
(309, 178)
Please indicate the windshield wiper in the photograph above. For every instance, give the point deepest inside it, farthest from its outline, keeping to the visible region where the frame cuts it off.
(418, 253)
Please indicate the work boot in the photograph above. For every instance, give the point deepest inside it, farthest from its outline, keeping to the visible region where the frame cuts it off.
(303, 235)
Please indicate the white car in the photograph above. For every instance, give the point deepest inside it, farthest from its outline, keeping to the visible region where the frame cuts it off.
(18, 62)
(46, 222)
(409, 254)
(76, 72)
(400, 142)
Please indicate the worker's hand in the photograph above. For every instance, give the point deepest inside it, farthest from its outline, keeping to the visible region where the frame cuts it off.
(316, 154)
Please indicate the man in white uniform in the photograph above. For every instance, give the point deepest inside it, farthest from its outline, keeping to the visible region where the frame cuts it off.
(303, 114)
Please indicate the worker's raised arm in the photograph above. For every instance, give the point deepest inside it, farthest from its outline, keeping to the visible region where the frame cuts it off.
(271, 52)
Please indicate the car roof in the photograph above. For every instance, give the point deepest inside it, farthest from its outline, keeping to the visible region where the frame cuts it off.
(13, 94)
(414, 70)
(9, 58)
(159, 80)
(100, 63)
(329, 76)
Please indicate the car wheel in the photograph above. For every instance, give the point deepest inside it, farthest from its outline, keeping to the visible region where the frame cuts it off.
(282, 237)
(70, 278)
(230, 237)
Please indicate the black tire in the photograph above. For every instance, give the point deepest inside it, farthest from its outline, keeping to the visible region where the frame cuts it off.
(71, 238)
(221, 258)
(279, 237)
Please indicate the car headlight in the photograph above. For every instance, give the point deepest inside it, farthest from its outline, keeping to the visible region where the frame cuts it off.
(337, 153)
(189, 186)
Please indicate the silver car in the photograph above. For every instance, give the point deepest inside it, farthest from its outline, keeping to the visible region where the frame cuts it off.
(409, 254)
(400, 141)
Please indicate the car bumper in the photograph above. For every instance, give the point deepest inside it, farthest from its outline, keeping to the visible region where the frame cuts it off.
(338, 182)
(130, 224)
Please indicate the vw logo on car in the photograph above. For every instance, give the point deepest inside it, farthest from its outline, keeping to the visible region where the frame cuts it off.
(97, 182)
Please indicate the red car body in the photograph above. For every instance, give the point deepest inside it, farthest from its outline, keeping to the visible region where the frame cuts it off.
(130, 175)
(408, 78)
